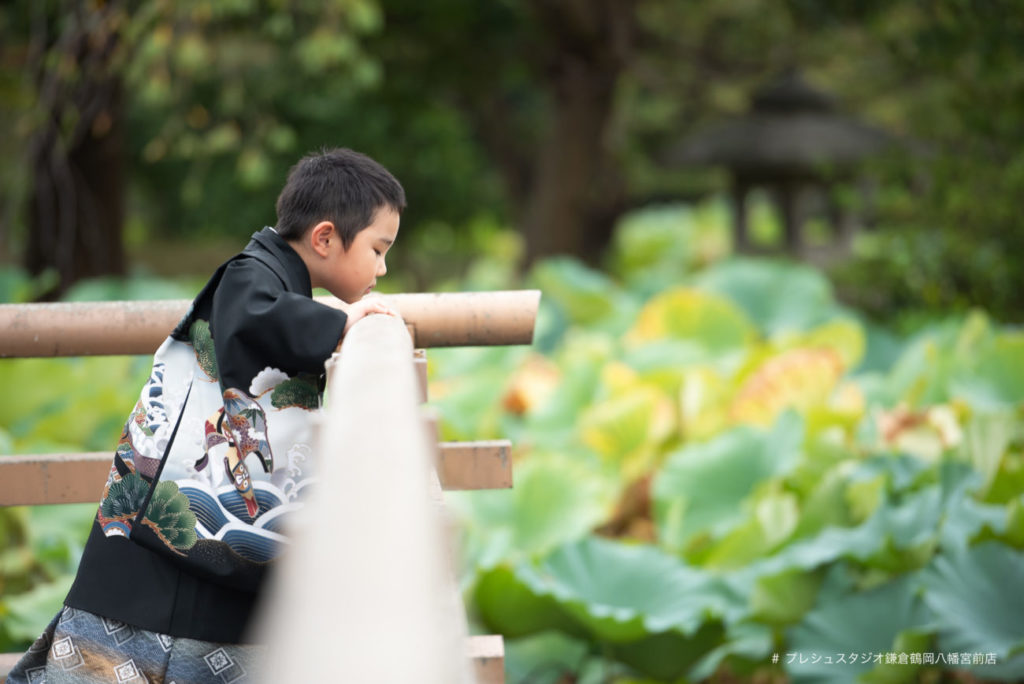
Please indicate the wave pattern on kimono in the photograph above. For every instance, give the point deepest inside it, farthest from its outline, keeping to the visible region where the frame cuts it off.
(205, 491)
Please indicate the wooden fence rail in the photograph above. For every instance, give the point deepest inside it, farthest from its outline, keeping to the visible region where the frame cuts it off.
(108, 328)
(34, 479)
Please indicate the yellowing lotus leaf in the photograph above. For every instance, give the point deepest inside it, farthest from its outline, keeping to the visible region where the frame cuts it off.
(844, 336)
(926, 434)
(618, 378)
(777, 515)
(626, 430)
(798, 378)
(848, 400)
(704, 399)
(708, 320)
(531, 385)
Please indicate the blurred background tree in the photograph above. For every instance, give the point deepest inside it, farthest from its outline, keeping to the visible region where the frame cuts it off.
(552, 117)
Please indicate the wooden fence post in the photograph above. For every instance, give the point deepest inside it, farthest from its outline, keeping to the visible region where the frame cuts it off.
(366, 593)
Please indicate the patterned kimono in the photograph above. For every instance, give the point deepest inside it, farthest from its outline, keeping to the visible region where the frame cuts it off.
(213, 459)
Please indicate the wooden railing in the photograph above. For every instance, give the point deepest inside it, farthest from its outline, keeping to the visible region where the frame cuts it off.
(432, 320)
(458, 319)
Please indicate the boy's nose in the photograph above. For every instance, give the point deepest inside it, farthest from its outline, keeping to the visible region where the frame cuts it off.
(382, 268)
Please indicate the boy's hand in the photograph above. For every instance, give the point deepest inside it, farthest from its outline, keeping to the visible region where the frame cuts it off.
(364, 307)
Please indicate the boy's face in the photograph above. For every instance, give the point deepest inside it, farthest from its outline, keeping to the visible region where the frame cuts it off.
(348, 274)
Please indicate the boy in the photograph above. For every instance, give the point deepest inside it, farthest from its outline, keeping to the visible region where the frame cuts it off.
(216, 453)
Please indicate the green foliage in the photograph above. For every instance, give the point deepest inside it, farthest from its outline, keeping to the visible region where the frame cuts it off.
(137, 286)
(850, 512)
(39, 549)
(700, 488)
(967, 591)
(640, 603)
(16, 286)
(943, 243)
(245, 85)
(51, 415)
(555, 500)
(24, 613)
(778, 296)
(221, 98)
(847, 621)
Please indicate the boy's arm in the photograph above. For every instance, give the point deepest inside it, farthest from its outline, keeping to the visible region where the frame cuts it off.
(256, 325)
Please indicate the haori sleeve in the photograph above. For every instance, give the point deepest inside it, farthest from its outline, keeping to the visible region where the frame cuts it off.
(256, 324)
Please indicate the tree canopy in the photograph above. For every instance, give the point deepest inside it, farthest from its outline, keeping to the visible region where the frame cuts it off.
(552, 117)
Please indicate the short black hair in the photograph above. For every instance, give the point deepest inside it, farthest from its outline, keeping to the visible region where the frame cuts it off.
(339, 185)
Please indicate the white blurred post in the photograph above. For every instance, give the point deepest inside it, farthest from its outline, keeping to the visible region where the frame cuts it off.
(366, 592)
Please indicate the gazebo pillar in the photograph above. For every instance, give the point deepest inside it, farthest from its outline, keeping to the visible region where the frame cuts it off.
(738, 195)
(788, 199)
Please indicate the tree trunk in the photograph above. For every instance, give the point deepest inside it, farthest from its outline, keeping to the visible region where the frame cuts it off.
(576, 195)
(76, 213)
(569, 162)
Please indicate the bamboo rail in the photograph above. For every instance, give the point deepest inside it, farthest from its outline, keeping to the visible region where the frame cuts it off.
(34, 479)
(138, 327)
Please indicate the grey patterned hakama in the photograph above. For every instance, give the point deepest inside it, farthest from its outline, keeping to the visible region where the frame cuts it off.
(81, 648)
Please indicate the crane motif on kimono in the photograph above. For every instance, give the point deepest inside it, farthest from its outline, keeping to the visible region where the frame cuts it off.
(242, 425)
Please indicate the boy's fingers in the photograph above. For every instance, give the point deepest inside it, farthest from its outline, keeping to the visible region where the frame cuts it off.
(384, 309)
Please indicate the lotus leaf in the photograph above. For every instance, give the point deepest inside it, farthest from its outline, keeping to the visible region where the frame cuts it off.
(899, 536)
(545, 658)
(773, 519)
(626, 430)
(845, 336)
(993, 376)
(650, 609)
(509, 606)
(853, 623)
(747, 643)
(585, 295)
(555, 500)
(785, 598)
(701, 318)
(798, 378)
(701, 487)
(987, 437)
(776, 295)
(973, 593)
(705, 396)
(27, 614)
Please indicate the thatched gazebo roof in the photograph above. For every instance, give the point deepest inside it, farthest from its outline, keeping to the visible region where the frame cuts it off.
(790, 129)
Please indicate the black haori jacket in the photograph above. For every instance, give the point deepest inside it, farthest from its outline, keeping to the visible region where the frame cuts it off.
(215, 454)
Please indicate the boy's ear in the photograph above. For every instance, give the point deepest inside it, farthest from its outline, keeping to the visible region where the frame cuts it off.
(321, 236)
